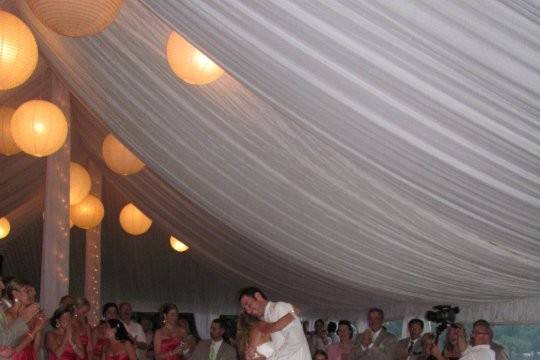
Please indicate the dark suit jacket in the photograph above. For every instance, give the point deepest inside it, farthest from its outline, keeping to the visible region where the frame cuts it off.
(403, 346)
(202, 351)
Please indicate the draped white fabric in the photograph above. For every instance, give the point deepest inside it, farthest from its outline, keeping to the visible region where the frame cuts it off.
(357, 154)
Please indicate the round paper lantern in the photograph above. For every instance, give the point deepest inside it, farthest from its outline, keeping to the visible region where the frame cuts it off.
(7, 144)
(39, 128)
(188, 63)
(18, 51)
(88, 213)
(76, 17)
(79, 183)
(118, 158)
(4, 227)
(177, 245)
(133, 220)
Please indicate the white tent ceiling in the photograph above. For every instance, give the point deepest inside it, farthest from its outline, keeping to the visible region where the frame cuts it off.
(356, 154)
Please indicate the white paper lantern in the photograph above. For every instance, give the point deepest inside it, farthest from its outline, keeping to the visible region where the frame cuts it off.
(88, 213)
(118, 157)
(4, 227)
(177, 245)
(133, 220)
(79, 183)
(18, 51)
(7, 144)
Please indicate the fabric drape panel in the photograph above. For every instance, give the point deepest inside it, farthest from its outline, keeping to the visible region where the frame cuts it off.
(356, 154)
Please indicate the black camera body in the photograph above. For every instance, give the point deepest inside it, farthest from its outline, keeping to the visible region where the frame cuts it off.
(443, 315)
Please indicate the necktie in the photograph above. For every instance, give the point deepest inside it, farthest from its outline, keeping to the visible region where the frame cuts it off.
(411, 344)
(212, 355)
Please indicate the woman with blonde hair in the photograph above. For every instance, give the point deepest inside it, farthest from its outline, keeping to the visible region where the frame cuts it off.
(253, 335)
(456, 342)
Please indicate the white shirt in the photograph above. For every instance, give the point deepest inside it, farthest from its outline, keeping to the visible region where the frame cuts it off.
(479, 352)
(136, 331)
(215, 345)
(290, 343)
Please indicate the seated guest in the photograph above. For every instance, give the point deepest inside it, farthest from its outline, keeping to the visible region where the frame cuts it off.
(500, 352)
(456, 342)
(375, 342)
(341, 349)
(216, 348)
(331, 328)
(481, 349)
(319, 340)
(169, 340)
(60, 343)
(134, 329)
(119, 346)
(320, 355)
(410, 347)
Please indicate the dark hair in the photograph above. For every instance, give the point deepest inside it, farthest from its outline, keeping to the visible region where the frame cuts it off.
(331, 327)
(250, 291)
(320, 352)
(55, 319)
(377, 310)
(348, 324)
(121, 332)
(221, 323)
(165, 308)
(107, 306)
(319, 321)
(416, 321)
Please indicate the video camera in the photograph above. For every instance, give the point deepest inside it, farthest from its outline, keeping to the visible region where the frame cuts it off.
(444, 315)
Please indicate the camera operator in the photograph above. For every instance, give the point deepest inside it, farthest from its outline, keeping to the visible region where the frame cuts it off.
(481, 336)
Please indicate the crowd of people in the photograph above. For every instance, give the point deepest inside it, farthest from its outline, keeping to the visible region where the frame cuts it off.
(264, 330)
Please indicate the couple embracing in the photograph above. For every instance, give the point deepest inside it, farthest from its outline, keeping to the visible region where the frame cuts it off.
(269, 330)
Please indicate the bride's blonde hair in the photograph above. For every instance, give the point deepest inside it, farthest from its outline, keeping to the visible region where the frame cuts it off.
(243, 328)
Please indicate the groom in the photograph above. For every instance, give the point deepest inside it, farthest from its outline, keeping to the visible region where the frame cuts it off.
(290, 343)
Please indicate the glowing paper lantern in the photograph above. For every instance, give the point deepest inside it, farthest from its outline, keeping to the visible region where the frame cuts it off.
(79, 183)
(39, 127)
(76, 17)
(18, 51)
(118, 158)
(88, 213)
(4, 227)
(7, 144)
(177, 245)
(133, 220)
(188, 63)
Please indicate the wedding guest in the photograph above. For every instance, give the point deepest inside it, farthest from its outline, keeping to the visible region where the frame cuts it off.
(320, 355)
(481, 349)
(134, 329)
(456, 342)
(375, 342)
(341, 350)
(319, 340)
(99, 337)
(430, 349)
(410, 348)
(119, 346)
(60, 343)
(80, 326)
(332, 328)
(216, 348)
(169, 341)
(147, 326)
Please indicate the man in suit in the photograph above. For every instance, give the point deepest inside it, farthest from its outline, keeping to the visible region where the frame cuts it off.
(410, 347)
(289, 343)
(375, 342)
(215, 348)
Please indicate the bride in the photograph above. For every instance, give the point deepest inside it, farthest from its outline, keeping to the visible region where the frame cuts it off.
(253, 335)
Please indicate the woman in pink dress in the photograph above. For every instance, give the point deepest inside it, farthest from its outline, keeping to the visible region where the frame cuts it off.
(81, 328)
(99, 337)
(169, 340)
(119, 346)
(61, 344)
(23, 295)
(340, 350)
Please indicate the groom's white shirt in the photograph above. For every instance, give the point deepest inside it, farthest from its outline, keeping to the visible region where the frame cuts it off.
(289, 343)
